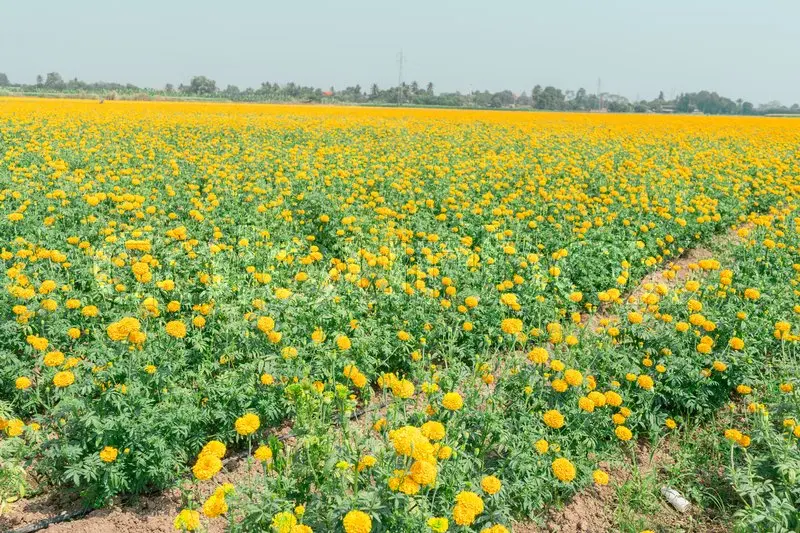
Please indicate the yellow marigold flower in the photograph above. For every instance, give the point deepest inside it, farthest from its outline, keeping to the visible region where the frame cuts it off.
(470, 501)
(736, 343)
(597, 398)
(743, 389)
(445, 452)
(403, 389)
(357, 522)
(109, 454)
(644, 382)
(491, 485)
(282, 294)
(37, 343)
(613, 398)
(433, 430)
(206, 466)
(719, 366)
(563, 469)
(559, 385)
(187, 520)
(14, 427)
(365, 462)
(22, 383)
(600, 477)
(553, 419)
(265, 324)
(462, 515)
(247, 424)
(423, 472)
(215, 448)
(215, 505)
(557, 365)
(62, 379)
(438, 524)
(497, 528)
(267, 379)
(538, 356)
(471, 302)
(635, 318)
(343, 342)
(623, 433)
(379, 424)
(176, 329)
(284, 522)
(263, 454)
(733, 435)
(752, 294)
(511, 326)
(452, 401)
(409, 441)
(670, 423)
(585, 404)
(573, 377)
(541, 446)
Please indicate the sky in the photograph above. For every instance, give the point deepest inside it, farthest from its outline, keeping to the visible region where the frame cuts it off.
(746, 49)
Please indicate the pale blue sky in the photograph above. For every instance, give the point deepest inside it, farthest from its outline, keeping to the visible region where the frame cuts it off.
(740, 48)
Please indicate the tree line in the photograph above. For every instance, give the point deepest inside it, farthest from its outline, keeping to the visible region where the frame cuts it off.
(410, 94)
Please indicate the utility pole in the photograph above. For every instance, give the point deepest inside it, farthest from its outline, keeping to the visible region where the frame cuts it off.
(400, 61)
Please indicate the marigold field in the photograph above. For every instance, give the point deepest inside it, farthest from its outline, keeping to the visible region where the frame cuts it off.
(397, 319)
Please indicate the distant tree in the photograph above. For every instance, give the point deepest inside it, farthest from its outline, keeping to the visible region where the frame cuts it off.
(429, 88)
(54, 81)
(201, 86)
(549, 98)
(4, 80)
(748, 108)
(169, 88)
(39, 80)
(501, 99)
(616, 106)
(232, 92)
(579, 102)
(661, 96)
(75, 84)
(374, 91)
(536, 96)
